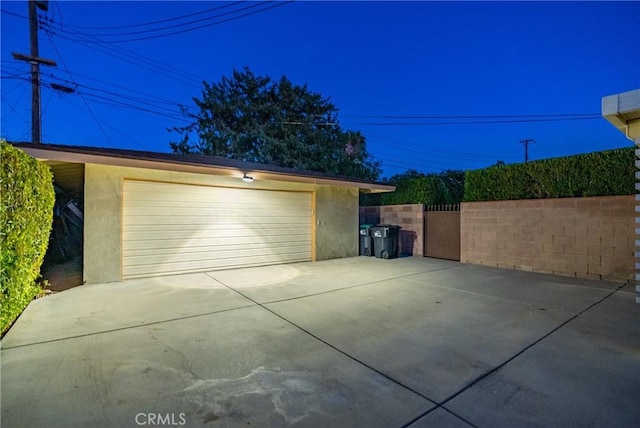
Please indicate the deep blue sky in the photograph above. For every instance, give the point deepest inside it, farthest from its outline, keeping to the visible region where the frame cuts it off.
(370, 58)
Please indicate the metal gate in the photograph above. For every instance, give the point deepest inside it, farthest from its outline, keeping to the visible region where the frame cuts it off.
(442, 231)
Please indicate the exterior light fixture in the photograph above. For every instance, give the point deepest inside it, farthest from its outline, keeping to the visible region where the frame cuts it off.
(246, 178)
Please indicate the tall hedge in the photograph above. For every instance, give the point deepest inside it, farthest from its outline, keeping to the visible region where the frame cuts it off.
(604, 173)
(26, 215)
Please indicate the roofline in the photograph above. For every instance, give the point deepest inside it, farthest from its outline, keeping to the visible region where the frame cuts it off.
(164, 161)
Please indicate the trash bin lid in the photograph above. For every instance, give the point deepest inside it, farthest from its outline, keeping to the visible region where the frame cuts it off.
(365, 226)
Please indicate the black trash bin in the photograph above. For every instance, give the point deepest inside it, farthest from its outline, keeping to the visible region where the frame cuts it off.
(366, 243)
(386, 243)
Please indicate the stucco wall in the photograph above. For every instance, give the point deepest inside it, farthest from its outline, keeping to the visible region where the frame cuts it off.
(336, 222)
(336, 214)
(102, 225)
(584, 237)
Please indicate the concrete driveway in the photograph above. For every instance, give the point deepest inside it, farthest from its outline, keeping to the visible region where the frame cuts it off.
(353, 342)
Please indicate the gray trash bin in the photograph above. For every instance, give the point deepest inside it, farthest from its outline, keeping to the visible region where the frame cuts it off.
(366, 243)
(386, 239)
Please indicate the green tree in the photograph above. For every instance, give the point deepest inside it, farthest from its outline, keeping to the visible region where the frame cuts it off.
(453, 180)
(403, 176)
(414, 187)
(256, 119)
(429, 190)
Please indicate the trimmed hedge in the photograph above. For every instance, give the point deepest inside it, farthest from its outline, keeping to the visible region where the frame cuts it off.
(26, 215)
(604, 173)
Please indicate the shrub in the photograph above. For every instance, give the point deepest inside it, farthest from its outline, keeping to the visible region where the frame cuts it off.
(604, 173)
(26, 214)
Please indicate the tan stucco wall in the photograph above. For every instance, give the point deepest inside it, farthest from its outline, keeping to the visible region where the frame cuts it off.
(336, 214)
(336, 222)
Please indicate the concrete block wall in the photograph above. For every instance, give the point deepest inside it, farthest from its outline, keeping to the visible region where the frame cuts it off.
(583, 237)
(409, 217)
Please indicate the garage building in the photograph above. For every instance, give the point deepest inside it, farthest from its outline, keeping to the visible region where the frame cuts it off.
(152, 214)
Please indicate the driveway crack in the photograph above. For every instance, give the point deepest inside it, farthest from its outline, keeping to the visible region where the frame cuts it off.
(351, 357)
(516, 355)
(130, 327)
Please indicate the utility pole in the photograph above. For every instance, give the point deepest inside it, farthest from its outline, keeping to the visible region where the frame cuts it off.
(526, 147)
(35, 61)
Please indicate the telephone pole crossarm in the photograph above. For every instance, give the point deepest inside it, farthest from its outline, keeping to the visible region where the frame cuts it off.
(33, 60)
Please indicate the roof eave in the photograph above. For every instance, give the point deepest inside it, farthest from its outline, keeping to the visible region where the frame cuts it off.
(45, 154)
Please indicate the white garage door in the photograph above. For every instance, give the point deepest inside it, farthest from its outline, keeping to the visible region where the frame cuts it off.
(176, 228)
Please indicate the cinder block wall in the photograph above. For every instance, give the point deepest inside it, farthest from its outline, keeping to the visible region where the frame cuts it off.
(583, 237)
(410, 217)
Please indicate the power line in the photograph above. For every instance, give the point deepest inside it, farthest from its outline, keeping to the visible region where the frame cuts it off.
(415, 153)
(491, 116)
(135, 107)
(183, 24)
(148, 95)
(14, 110)
(8, 12)
(117, 103)
(461, 157)
(405, 165)
(46, 104)
(394, 157)
(6, 92)
(66, 99)
(440, 152)
(117, 131)
(137, 59)
(128, 56)
(128, 98)
(159, 21)
(17, 76)
(83, 100)
(417, 164)
(469, 122)
(173, 33)
(140, 61)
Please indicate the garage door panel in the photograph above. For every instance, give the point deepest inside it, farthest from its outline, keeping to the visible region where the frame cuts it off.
(153, 231)
(216, 212)
(207, 265)
(221, 253)
(207, 215)
(173, 228)
(228, 220)
(146, 201)
(169, 245)
(203, 194)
